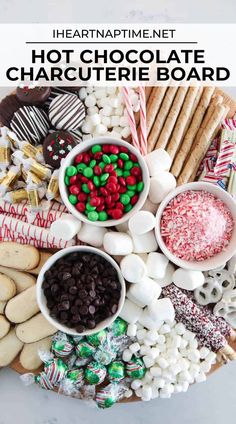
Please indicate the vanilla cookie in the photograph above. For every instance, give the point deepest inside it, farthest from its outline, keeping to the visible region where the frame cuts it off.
(44, 256)
(10, 346)
(35, 329)
(19, 256)
(7, 288)
(29, 357)
(23, 306)
(2, 306)
(4, 326)
(21, 279)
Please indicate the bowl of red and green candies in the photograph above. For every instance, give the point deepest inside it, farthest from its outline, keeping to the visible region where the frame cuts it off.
(103, 181)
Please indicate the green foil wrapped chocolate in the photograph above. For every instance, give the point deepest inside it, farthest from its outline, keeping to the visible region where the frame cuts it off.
(116, 371)
(95, 373)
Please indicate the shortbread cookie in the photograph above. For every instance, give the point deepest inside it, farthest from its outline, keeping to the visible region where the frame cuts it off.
(7, 288)
(35, 329)
(23, 306)
(29, 357)
(44, 256)
(4, 326)
(10, 346)
(22, 280)
(18, 256)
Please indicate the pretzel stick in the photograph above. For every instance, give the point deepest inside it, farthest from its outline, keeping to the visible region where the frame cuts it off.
(194, 107)
(183, 117)
(191, 133)
(154, 103)
(201, 147)
(171, 118)
(216, 100)
(148, 91)
(161, 117)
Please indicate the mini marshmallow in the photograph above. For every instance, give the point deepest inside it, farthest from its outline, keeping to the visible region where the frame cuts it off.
(82, 93)
(144, 243)
(211, 357)
(95, 119)
(167, 279)
(159, 382)
(134, 347)
(141, 222)
(188, 279)
(147, 321)
(127, 355)
(136, 384)
(65, 227)
(152, 335)
(180, 328)
(130, 312)
(148, 361)
(162, 309)
(100, 93)
(107, 110)
(131, 330)
(156, 371)
(162, 362)
(141, 334)
(92, 110)
(101, 129)
(92, 234)
(145, 350)
(149, 206)
(205, 367)
(90, 100)
(156, 265)
(125, 132)
(132, 267)
(154, 352)
(116, 243)
(128, 394)
(144, 292)
(165, 329)
(160, 186)
(158, 161)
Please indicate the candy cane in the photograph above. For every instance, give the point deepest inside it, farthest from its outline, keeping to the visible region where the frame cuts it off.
(130, 112)
(143, 121)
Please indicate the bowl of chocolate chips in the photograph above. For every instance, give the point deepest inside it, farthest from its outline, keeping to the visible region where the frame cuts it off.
(80, 290)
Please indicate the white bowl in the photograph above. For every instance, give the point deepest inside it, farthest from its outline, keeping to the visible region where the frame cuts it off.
(215, 261)
(41, 299)
(84, 146)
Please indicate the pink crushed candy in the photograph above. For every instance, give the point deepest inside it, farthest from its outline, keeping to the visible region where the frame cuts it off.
(196, 225)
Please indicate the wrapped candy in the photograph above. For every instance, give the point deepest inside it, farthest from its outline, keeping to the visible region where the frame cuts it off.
(53, 186)
(55, 370)
(62, 345)
(5, 150)
(97, 338)
(135, 368)
(30, 151)
(16, 196)
(44, 381)
(109, 395)
(76, 376)
(31, 165)
(105, 353)
(118, 327)
(84, 349)
(9, 179)
(95, 373)
(116, 371)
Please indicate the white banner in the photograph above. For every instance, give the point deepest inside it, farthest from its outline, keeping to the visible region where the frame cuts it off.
(117, 54)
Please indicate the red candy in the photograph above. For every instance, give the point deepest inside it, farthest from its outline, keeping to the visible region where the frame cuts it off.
(112, 180)
(74, 189)
(106, 148)
(131, 180)
(74, 179)
(134, 200)
(83, 179)
(98, 155)
(80, 207)
(91, 186)
(108, 200)
(122, 181)
(119, 205)
(95, 201)
(78, 158)
(86, 158)
(136, 171)
(120, 163)
(114, 150)
(124, 149)
(82, 197)
(111, 187)
(104, 191)
(97, 170)
(109, 168)
(115, 197)
(117, 213)
(133, 157)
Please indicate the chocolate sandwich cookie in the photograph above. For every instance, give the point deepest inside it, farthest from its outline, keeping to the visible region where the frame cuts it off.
(30, 124)
(56, 147)
(33, 95)
(66, 112)
(8, 106)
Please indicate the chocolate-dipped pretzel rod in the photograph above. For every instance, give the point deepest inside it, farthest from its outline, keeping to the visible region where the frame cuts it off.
(196, 320)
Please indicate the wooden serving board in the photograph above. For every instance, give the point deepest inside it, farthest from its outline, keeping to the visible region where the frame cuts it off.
(232, 104)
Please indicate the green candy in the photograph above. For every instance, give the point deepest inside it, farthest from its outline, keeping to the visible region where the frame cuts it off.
(119, 172)
(102, 216)
(124, 156)
(73, 199)
(85, 188)
(106, 397)
(106, 159)
(92, 163)
(140, 186)
(84, 349)
(95, 373)
(136, 368)
(96, 148)
(119, 327)
(67, 180)
(97, 338)
(102, 165)
(136, 164)
(81, 167)
(125, 199)
(113, 158)
(128, 208)
(131, 187)
(128, 165)
(93, 216)
(126, 174)
(71, 171)
(90, 207)
(130, 193)
(116, 371)
(96, 181)
(104, 177)
(76, 376)
(88, 172)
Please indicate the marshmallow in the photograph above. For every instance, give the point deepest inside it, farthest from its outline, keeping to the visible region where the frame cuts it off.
(161, 310)
(133, 268)
(141, 222)
(150, 207)
(147, 321)
(160, 186)
(65, 227)
(167, 279)
(90, 100)
(116, 243)
(158, 161)
(134, 347)
(127, 355)
(188, 279)
(92, 235)
(144, 292)
(144, 243)
(130, 312)
(156, 265)
(131, 330)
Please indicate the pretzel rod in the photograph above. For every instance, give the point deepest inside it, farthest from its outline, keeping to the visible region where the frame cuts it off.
(148, 91)
(7, 235)
(215, 100)
(161, 117)
(191, 133)
(172, 117)
(177, 134)
(200, 149)
(154, 103)
(24, 209)
(31, 231)
(193, 110)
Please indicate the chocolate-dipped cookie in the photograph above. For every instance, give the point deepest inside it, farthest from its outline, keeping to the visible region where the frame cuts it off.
(30, 124)
(33, 95)
(66, 112)
(56, 147)
(8, 106)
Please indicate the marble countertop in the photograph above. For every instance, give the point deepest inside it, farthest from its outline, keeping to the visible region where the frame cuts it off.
(206, 403)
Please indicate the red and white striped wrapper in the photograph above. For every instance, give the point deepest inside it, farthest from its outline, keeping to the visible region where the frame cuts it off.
(41, 235)
(142, 145)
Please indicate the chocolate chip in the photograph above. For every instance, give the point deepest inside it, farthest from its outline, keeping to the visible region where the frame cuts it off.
(83, 310)
(73, 290)
(91, 309)
(66, 276)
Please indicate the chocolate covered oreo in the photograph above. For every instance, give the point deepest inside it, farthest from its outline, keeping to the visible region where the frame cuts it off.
(33, 95)
(66, 112)
(8, 106)
(30, 124)
(56, 147)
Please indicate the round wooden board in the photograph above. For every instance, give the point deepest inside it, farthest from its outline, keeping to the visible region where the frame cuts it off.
(16, 364)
